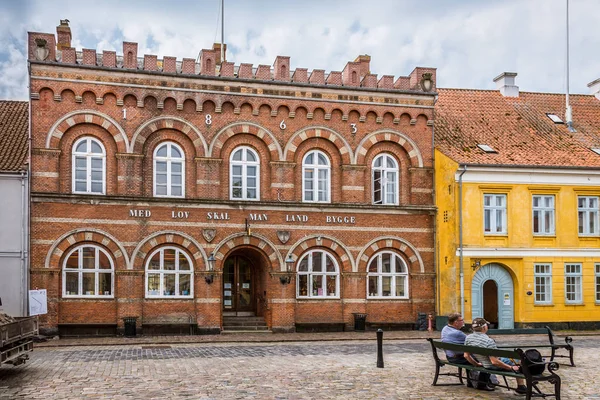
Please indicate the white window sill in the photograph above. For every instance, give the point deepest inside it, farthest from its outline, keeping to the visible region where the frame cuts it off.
(92, 193)
(89, 296)
(387, 298)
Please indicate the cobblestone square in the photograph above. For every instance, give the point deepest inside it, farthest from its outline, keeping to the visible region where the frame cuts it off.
(297, 370)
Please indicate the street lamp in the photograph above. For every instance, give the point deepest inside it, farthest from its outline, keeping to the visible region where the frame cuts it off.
(210, 267)
(289, 263)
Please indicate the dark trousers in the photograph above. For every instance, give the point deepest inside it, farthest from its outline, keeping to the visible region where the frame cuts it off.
(482, 380)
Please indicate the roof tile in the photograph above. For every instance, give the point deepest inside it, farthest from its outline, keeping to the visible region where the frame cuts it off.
(13, 135)
(517, 128)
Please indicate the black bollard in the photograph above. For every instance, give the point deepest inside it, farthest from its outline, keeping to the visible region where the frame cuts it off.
(379, 348)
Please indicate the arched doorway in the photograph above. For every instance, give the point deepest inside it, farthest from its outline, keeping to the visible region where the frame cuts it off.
(493, 280)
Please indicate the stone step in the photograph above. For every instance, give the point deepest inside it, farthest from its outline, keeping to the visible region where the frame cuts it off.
(224, 332)
(245, 328)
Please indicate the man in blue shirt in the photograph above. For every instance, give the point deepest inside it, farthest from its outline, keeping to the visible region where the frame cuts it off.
(451, 333)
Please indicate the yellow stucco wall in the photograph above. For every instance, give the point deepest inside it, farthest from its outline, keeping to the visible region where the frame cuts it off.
(519, 236)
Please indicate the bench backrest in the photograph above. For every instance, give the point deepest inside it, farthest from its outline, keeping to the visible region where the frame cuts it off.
(436, 344)
(518, 331)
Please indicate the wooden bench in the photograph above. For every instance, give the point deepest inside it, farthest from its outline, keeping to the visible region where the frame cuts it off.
(552, 345)
(531, 381)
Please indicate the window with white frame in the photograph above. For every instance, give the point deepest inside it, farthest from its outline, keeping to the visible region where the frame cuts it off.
(316, 177)
(387, 276)
(318, 276)
(543, 215)
(494, 213)
(587, 207)
(573, 283)
(597, 267)
(89, 166)
(169, 170)
(385, 180)
(542, 274)
(88, 271)
(244, 171)
(169, 273)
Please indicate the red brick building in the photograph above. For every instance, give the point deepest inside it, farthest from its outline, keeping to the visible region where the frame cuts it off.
(183, 193)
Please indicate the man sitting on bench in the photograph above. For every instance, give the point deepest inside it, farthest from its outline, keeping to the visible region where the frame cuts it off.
(480, 338)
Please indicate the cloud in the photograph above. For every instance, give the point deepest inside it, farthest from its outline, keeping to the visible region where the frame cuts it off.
(469, 42)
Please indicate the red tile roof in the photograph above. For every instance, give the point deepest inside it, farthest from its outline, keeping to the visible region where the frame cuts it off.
(13, 135)
(517, 128)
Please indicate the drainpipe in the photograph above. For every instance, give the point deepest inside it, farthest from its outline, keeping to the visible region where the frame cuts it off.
(460, 241)
(26, 205)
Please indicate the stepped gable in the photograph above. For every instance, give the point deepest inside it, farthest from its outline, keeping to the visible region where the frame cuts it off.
(13, 136)
(517, 128)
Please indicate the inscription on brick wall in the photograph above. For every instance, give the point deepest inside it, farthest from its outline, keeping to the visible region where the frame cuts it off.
(140, 213)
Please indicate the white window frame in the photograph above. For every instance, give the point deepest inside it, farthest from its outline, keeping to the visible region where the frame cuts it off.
(162, 272)
(385, 180)
(575, 279)
(542, 279)
(587, 215)
(80, 271)
(309, 274)
(316, 168)
(396, 261)
(244, 164)
(493, 212)
(88, 156)
(597, 283)
(542, 211)
(170, 161)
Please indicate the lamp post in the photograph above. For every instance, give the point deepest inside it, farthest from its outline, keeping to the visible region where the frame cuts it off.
(210, 267)
(289, 263)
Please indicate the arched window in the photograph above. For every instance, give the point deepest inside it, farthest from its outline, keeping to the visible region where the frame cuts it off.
(315, 177)
(385, 180)
(387, 276)
(244, 170)
(169, 170)
(88, 271)
(318, 275)
(169, 273)
(89, 166)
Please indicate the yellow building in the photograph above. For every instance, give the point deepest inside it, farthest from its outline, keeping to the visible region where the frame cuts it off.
(517, 191)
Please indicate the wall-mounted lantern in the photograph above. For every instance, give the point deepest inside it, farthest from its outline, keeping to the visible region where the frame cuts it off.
(210, 268)
(289, 264)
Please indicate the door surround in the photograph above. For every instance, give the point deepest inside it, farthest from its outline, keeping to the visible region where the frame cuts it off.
(506, 299)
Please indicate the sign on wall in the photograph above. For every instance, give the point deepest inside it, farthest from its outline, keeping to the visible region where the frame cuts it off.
(38, 302)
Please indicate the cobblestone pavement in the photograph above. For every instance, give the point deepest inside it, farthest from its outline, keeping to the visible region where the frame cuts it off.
(284, 370)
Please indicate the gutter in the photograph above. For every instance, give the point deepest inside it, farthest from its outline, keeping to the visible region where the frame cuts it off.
(460, 241)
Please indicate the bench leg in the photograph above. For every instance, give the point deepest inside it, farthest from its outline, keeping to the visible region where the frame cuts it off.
(437, 373)
(460, 375)
(571, 356)
(529, 390)
(556, 382)
(553, 354)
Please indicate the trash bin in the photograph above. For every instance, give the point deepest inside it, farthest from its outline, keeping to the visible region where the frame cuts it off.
(422, 321)
(359, 321)
(129, 326)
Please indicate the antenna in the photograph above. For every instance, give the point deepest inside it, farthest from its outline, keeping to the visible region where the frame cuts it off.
(222, 31)
(569, 111)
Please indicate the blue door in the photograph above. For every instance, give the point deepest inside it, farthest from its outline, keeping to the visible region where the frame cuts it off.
(506, 301)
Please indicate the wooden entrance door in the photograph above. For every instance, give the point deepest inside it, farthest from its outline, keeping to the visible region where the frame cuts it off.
(238, 285)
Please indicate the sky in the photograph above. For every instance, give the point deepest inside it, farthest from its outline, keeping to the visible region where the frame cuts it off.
(469, 41)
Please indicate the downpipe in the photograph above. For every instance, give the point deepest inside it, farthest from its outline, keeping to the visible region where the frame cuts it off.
(460, 241)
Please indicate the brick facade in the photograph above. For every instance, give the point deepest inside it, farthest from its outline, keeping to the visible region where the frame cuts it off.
(132, 106)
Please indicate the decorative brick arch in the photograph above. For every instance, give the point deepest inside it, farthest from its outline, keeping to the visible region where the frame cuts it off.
(168, 122)
(386, 135)
(329, 242)
(249, 128)
(318, 132)
(390, 242)
(86, 235)
(71, 119)
(241, 239)
(168, 238)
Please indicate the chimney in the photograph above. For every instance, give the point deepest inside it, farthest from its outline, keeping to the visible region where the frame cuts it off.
(505, 82)
(217, 48)
(63, 34)
(595, 88)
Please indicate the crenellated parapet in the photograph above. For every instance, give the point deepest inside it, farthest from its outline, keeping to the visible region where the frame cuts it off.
(48, 48)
